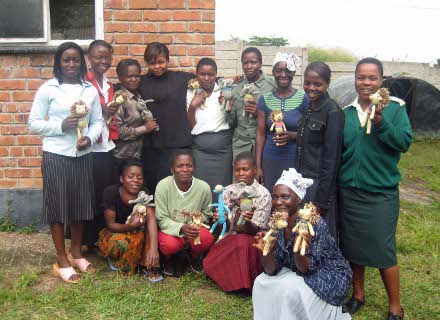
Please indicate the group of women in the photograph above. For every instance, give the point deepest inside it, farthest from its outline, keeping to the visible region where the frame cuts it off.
(326, 144)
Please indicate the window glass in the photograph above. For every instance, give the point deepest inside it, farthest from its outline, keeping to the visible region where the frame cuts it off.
(17, 22)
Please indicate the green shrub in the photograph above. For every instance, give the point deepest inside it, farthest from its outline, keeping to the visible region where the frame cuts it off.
(330, 54)
(7, 222)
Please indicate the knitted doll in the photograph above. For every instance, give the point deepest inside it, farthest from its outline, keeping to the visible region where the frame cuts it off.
(142, 202)
(248, 92)
(79, 108)
(277, 118)
(277, 221)
(379, 101)
(120, 97)
(305, 226)
(197, 221)
(194, 86)
(245, 194)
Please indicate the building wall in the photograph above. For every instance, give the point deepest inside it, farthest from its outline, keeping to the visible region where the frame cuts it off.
(186, 26)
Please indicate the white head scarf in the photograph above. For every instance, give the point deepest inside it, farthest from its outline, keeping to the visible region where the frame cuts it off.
(292, 60)
(295, 181)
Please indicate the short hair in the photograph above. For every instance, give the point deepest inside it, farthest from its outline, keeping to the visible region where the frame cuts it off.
(370, 60)
(252, 50)
(122, 67)
(178, 153)
(322, 69)
(154, 49)
(57, 61)
(206, 62)
(130, 163)
(246, 155)
(100, 43)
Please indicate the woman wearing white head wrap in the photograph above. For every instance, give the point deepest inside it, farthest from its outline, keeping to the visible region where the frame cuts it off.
(297, 287)
(276, 152)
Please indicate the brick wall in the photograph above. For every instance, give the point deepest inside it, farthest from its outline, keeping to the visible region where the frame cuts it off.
(186, 26)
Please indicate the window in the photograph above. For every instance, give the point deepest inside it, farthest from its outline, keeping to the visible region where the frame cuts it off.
(50, 22)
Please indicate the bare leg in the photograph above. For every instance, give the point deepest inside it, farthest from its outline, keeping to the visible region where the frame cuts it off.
(57, 231)
(76, 228)
(358, 281)
(390, 278)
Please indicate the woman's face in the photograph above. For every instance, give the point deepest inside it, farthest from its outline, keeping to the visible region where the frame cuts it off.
(314, 85)
(206, 77)
(367, 80)
(158, 66)
(284, 199)
(251, 65)
(132, 179)
(244, 171)
(100, 59)
(131, 78)
(70, 64)
(283, 76)
(183, 168)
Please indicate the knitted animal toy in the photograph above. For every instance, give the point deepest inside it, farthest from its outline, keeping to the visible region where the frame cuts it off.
(197, 221)
(79, 108)
(245, 194)
(379, 101)
(277, 118)
(119, 97)
(142, 202)
(221, 208)
(304, 225)
(146, 114)
(277, 221)
(248, 92)
(226, 85)
(194, 86)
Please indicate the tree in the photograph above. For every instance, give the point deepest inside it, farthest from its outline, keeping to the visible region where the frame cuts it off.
(267, 41)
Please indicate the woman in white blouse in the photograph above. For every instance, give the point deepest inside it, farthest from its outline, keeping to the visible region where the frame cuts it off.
(211, 137)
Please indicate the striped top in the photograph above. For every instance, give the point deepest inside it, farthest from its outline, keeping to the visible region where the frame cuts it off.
(292, 108)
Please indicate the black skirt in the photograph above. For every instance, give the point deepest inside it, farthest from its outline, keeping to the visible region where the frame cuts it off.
(68, 193)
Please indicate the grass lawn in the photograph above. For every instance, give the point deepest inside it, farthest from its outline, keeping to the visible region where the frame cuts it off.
(28, 290)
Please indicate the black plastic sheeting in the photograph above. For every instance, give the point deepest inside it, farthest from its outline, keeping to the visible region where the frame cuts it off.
(421, 98)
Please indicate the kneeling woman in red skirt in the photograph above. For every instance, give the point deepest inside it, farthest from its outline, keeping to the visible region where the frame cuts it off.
(232, 262)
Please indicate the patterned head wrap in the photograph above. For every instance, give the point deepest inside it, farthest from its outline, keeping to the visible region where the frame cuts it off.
(295, 181)
(292, 60)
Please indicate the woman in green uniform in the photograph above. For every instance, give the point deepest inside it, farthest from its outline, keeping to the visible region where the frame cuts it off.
(368, 180)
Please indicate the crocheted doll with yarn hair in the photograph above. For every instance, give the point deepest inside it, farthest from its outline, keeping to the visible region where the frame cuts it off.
(119, 97)
(197, 221)
(79, 108)
(277, 221)
(277, 117)
(308, 214)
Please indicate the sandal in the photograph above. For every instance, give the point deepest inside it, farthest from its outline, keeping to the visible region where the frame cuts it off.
(82, 264)
(64, 273)
(111, 265)
(153, 274)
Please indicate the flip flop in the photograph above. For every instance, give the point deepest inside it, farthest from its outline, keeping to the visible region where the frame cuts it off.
(152, 280)
(82, 264)
(111, 265)
(64, 273)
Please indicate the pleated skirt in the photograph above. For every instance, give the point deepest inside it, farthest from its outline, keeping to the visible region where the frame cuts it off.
(68, 192)
(368, 227)
(287, 296)
(232, 263)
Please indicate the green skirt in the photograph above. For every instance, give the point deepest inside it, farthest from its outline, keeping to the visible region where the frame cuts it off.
(368, 226)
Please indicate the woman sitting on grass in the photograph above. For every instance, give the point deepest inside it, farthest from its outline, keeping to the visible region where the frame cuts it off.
(134, 243)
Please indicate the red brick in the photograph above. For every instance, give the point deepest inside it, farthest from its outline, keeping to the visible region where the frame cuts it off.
(37, 61)
(108, 15)
(201, 4)
(21, 117)
(208, 16)
(24, 61)
(25, 107)
(4, 152)
(18, 173)
(154, 15)
(38, 183)
(47, 73)
(206, 27)
(127, 15)
(5, 73)
(14, 129)
(203, 51)
(10, 107)
(36, 173)
(40, 151)
(8, 162)
(164, 38)
(8, 61)
(143, 27)
(120, 50)
(6, 118)
(8, 184)
(4, 96)
(111, 74)
(23, 95)
(30, 151)
(177, 50)
(129, 38)
(12, 85)
(186, 61)
(143, 4)
(35, 84)
(187, 15)
(29, 140)
(108, 37)
(187, 38)
(29, 162)
(171, 4)
(173, 27)
(208, 39)
(26, 73)
(115, 4)
(137, 50)
(116, 27)
(16, 151)
(7, 141)
(30, 183)
(173, 62)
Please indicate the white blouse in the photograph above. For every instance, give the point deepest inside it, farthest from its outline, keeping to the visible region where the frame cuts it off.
(211, 119)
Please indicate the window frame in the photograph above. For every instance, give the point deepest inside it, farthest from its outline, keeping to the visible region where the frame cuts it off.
(46, 40)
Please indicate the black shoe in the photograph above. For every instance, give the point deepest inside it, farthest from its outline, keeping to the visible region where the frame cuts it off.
(196, 264)
(352, 305)
(395, 316)
(168, 267)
